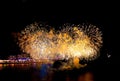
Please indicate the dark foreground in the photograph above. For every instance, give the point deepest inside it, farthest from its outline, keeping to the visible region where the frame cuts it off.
(44, 72)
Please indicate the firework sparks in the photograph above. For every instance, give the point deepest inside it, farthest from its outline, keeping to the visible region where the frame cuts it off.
(81, 41)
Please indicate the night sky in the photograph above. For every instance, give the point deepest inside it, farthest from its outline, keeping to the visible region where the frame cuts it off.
(17, 14)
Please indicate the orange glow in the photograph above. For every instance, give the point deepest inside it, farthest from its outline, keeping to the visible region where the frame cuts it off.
(70, 42)
(12, 65)
(86, 77)
(1, 66)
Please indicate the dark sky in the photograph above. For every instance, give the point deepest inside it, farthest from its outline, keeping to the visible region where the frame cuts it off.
(16, 14)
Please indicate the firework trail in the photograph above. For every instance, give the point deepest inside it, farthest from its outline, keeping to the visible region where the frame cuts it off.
(71, 41)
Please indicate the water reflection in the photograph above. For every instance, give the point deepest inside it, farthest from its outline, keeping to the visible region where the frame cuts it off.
(1, 66)
(43, 72)
(33, 71)
(88, 76)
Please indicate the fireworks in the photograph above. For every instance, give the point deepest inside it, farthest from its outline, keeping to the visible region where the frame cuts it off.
(81, 41)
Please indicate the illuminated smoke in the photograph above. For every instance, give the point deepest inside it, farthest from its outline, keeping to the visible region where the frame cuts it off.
(71, 41)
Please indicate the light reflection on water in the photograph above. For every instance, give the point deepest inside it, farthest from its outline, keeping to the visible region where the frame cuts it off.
(44, 72)
(38, 72)
(23, 65)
